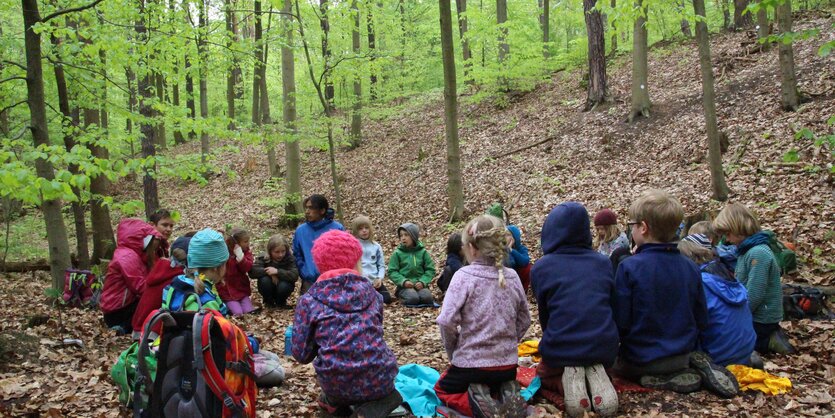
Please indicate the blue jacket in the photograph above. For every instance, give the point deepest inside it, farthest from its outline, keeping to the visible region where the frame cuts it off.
(303, 239)
(660, 304)
(518, 256)
(573, 285)
(729, 337)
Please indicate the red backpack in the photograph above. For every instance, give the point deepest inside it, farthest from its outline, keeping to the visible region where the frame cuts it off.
(78, 287)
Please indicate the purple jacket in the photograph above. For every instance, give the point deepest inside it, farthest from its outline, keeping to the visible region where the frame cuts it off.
(492, 319)
(339, 326)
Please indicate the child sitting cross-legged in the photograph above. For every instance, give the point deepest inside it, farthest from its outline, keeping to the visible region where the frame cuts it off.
(573, 285)
(483, 318)
(411, 268)
(338, 325)
(659, 306)
(455, 259)
(373, 262)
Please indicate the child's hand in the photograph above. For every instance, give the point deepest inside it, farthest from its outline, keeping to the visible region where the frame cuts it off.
(271, 271)
(376, 283)
(510, 240)
(408, 285)
(419, 286)
(239, 253)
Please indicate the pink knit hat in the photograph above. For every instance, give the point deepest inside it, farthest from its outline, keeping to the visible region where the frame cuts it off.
(336, 250)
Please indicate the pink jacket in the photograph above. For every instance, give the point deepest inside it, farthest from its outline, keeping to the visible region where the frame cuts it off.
(125, 279)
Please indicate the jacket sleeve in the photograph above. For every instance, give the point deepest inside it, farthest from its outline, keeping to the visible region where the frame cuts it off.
(259, 268)
(394, 269)
(381, 263)
(290, 274)
(523, 317)
(700, 310)
(519, 256)
(541, 298)
(245, 265)
(622, 302)
(298, 254)
(428, 269)
(133, 273)
(450, 316)
(304, 332)
(757, 282)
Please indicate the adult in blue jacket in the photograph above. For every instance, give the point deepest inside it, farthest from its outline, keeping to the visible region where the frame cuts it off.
(319, 219)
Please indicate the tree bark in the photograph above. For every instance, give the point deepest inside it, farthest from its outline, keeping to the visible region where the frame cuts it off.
(145, 87)
(324, 23)
(192, 109)
(640, 89)
(685, 23)
(455, 186)
(256, 72)
(466, 53)
(614, 47)
(763, 29)
(103, 240)
(789, 96)
(372, 49)
(545, 23)
(56, 231)
(292, 156)
(266, 119)
(741, 20)
(356, 110)
(4, 114)
(130, 77)
(233, 72)
(160, 90)
(717, 174)
(501, 19)
(597, 91)
(726, 14)
(203, 53)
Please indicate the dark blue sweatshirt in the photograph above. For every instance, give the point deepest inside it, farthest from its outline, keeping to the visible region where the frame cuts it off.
(660, 304)
(573, 285)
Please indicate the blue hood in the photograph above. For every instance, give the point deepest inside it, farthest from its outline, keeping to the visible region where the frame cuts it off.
(731, 292)
(320, 223)
(566, 226)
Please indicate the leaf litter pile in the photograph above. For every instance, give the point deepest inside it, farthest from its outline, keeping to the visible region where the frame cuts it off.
(532, 153)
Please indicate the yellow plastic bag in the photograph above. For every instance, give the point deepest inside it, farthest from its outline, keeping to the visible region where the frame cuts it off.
(755, 379)
(530, 348)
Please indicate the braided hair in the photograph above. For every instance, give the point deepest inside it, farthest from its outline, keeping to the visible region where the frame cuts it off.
(488, 234)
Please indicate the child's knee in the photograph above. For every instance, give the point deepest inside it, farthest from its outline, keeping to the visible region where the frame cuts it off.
(409, 297)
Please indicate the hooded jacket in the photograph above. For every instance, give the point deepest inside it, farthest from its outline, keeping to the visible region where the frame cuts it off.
(125, 277)
(518, 256)
(373, 261)
(729, 337)
(757, 269)
(412, 264)
(303, 239)
(659, 304)
(573, 286)
(158, 278)
(235, 284)
(338, 324)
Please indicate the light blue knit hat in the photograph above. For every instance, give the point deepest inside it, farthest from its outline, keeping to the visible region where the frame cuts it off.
(207, 249)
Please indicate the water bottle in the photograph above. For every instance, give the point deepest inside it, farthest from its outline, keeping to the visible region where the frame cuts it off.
(288, 341)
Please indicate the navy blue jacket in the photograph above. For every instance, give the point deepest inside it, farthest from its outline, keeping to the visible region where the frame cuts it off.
(660, 304)
(573, 285)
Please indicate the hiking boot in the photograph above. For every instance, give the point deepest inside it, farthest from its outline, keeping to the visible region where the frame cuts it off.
(715, 378)
(779, 343)
(604, 399)
(379, 408)
(481, 402)
(331, 410)
(756, 361)
(683, 381)
(575, 393)
(512, 403)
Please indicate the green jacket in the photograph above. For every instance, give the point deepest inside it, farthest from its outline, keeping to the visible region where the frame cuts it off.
(757, 269)
(411, 264)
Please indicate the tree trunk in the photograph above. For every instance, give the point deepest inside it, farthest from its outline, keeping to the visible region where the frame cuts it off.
(256, 72)
(372, 45)
(356, 110)
(640, 89)
(192, 109)
(402, 55)
(175, 95)
(597, 91)
(614, 48)
(685, 23)
(501, 19)
(204, 74)
(466, 54)
(265, 102)
(292, 155)
(789, 96)
(160, 88)
(717, 175)
(455, 186)
(234, 69)
(56, 231)
(324, 23)
(545, 23)
(4, 114)
(741, 20)
(103, 241)
(763, 29)
(146, 85)
(726, 14)
(130, 76)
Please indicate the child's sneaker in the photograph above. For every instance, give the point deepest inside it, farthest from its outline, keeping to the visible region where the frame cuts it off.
(756, 361)
(512, 403)
(574, 391)
(382, 407)
(683, 381)
(481, 402)
(715, 378)
(779, 343)
(603, 395)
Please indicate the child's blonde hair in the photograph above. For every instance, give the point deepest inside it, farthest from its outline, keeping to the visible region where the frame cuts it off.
(695, 252)
(359, 222)
(488, 234)
(276, 241)
(610, 232)
(661, 211)
(199, 286)
(736, 219)
(705, 228)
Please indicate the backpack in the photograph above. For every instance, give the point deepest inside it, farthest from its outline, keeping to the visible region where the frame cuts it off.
(124, 374)
(204, 367)
(786, 258)
(78, 288)
(804, 302)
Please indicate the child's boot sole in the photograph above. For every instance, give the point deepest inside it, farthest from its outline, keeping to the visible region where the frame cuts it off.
(603, 395)
(574, 389)
(715, 378)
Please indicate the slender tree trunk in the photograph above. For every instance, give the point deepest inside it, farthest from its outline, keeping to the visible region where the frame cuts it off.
(192, 109)
(372, 50)
(324, 23)
(56, 231)
(726, 14)
(130, 76)
(204, 73)
(4, 114)
(356, 111)
(103, 242)
(763, 29)
(501, 20)
(265, 102)
(717, 175)
(741, 20)
(234, 67)
(146, 86)
(640, 89)
(614, 49)
(160, 89)
(175, 95)
(402, 56)
(466, 54)
(455, 186)
(685, 23)
(789, 96)
(545, 23)
(256, 72)
(597, 91)
(292, 155)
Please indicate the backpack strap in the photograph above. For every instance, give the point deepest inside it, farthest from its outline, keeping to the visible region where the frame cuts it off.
(143, 375)
(203, 321)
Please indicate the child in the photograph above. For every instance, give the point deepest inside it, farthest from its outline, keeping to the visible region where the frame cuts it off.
(579, 339)
(659, 306)
(276, 272)
(235, 289)
(163, 222)
(373, 263)
(411, 268)
(609, 237)
(338, 325)
(757, 269)
(158, 278)
(136, 251)
(319, 217)
(483, 318)
(518, 258)
(729, 337)
(454, 260)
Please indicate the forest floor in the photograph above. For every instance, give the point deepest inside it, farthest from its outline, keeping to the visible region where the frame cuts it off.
(398, 175)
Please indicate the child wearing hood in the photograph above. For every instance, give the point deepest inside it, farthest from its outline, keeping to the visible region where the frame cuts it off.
(455, 259)
(518, 258)
(573, 285)
(338, 325)
(373, 262)
(319, 219)
(411, 268)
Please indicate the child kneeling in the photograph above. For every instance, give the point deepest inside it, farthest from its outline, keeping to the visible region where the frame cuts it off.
(338, 325)
(484, 316)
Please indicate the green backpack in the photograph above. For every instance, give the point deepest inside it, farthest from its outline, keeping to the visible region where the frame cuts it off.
(124, 374)
(786, 258)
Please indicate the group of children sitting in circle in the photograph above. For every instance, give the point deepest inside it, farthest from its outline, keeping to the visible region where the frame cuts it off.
(668, 313)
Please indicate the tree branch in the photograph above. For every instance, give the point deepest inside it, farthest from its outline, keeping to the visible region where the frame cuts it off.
(17, 77)
(78, 67)
(21, 66)
(71, 10)
(12, 106)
